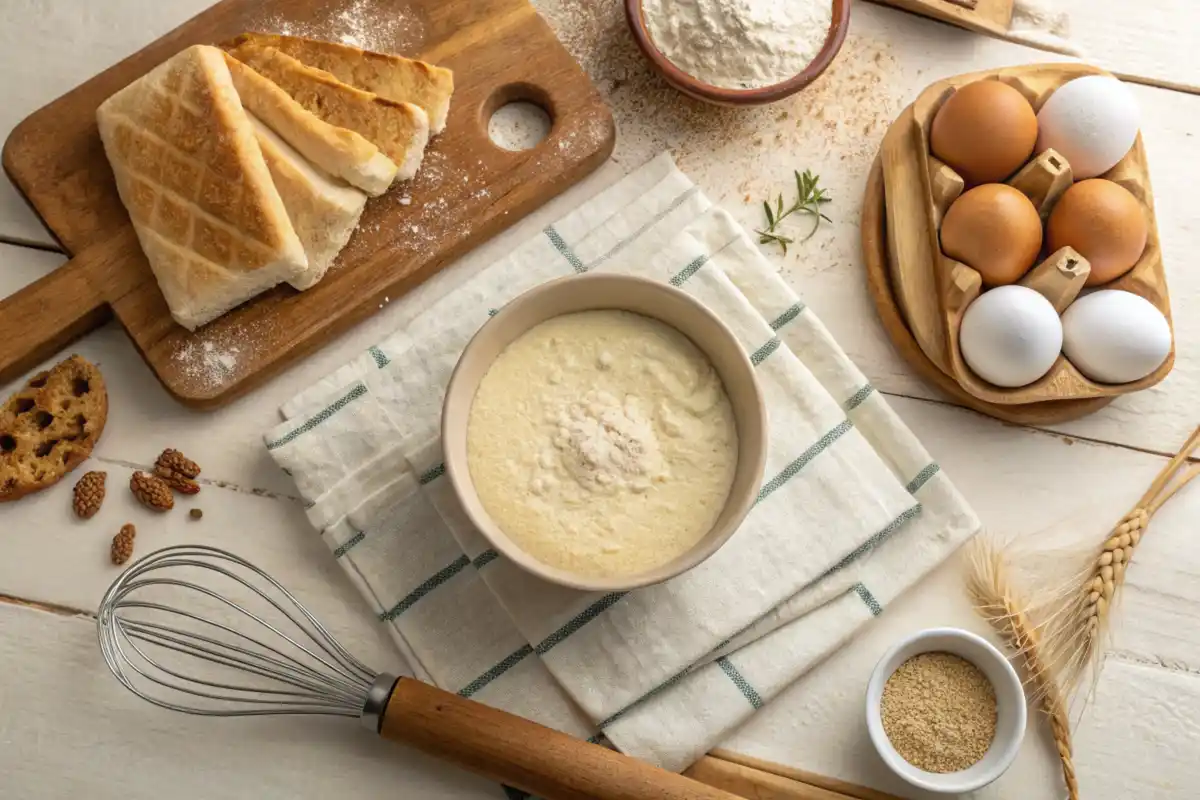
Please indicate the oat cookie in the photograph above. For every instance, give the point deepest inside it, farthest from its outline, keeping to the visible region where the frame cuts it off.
(49, 426)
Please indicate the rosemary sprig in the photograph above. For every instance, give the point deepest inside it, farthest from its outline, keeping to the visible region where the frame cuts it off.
(809, 199)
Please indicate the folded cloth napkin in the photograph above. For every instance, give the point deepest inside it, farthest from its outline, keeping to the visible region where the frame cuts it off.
(851, 512)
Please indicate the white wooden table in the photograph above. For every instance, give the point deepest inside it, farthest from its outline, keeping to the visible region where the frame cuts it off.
(67, 728)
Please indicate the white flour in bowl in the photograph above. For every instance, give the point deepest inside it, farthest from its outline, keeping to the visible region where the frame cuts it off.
(739, 44)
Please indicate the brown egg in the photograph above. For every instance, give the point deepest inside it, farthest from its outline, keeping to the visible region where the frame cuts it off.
(1104, 222)
(994, 229)
(986, 131)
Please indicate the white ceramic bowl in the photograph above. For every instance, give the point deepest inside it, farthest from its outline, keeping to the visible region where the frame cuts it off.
(1010, 701)
(606, 290)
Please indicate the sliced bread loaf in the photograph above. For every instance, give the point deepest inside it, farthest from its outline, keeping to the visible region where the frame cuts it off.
(339, 151)
(400, 130)
(403, 80)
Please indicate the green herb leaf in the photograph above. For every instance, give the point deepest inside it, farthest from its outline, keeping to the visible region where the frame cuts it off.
(809, 199)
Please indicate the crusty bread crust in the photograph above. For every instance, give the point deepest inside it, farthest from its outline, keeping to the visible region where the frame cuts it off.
(324, 211)
(189, 171)
(400, 130)
(50, 426)
(338, 151)
(403, 80)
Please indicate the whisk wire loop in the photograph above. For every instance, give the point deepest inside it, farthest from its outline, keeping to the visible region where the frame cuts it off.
(277, 659)
(153, 634)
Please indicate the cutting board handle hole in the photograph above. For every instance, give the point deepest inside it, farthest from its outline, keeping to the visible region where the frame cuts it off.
(518, 116)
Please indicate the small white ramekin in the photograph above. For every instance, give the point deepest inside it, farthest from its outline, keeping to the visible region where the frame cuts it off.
(1010, 701)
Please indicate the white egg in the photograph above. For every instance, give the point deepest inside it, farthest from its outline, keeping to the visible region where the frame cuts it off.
(1010, 336)
(1115, 337)
(1092, 122)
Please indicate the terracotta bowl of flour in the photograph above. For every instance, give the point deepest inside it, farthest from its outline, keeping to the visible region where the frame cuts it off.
(653, 303)
(783, 86)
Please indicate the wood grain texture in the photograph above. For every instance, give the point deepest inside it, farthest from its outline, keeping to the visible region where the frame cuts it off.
(916, 291)
(523, 754)
(983, 16)
(718, 758)
(469, 190)
(914, 267)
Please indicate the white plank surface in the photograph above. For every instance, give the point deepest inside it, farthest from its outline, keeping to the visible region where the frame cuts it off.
(68, 729)
(1155, 40)
(1024, 482)
(65, 726)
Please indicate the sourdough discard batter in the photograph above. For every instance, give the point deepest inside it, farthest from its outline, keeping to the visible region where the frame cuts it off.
(602, 443)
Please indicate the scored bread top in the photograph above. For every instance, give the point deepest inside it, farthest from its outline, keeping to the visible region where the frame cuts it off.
(50, 426)
(339, 151)
(190, 173)
(403, 80)
(400, 130)
(184, 147)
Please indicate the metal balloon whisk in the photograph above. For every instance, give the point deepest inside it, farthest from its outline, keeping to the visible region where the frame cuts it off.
(199, 630)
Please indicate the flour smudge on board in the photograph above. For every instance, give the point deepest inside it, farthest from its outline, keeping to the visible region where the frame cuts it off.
(368, 24)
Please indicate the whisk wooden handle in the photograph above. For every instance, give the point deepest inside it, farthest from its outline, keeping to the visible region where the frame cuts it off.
(523, 754)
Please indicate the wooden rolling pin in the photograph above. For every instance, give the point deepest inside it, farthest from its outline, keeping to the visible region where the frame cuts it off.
(555, 766)
(508, 749)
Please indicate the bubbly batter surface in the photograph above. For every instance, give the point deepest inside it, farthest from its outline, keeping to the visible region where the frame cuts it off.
(602, 443)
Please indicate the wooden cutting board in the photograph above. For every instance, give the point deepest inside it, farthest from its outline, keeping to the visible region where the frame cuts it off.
(467, 191)
(990, 17)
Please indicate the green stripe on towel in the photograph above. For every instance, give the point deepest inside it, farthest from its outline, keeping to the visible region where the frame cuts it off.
(564, 249)
(582, 618)
(743, 685)
(691, 269)
(349, 545)
(787, 316)
(432, 474)
(859, 397)
(647, 225)
(760, 355)
(922, 478)
(507, 663)
(381, 359)
(876, 539)
(869, 599)
(657, 690)
(483, 559)
(356, 392)
(445, 574)
(792, 469)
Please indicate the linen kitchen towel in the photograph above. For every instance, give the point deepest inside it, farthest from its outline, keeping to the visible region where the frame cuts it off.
(852, 511)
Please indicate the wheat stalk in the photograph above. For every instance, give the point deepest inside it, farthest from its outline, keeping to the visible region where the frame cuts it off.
(1058, 635)
(997, 600)
(1097, 593)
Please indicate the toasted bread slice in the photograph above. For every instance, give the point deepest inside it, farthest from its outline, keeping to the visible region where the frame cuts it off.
(338, 151)
(403, 80)
(190, 173)
(50, 426)
(324, 211)
(400, 130)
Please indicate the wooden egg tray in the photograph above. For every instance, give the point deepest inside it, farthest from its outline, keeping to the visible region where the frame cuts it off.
(933, 291)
